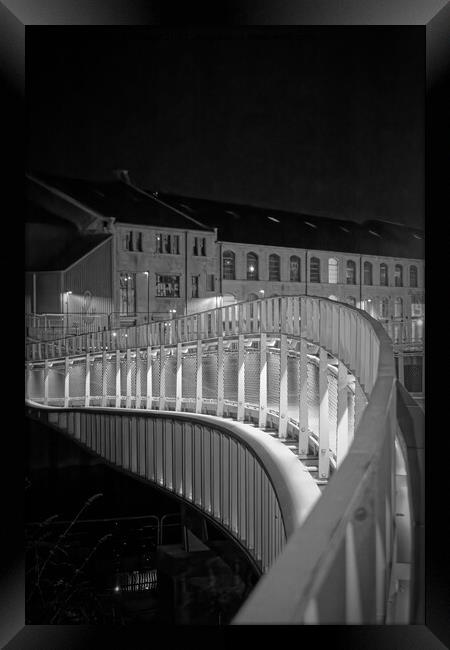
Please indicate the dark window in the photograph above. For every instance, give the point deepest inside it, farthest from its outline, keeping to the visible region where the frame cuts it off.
(413, 276)
(368, 279)
(384, 277)
(127, 282)
(398, 275)
(314, 269)
(210, 282)
(413, 373)
(274, 268)
(351, 272)
(294, 265)
(229, 265)
(168, 286)
(252, 266)
(384, 308)
(194, 292)
(199, 246)
(398, 308)
(128, 241)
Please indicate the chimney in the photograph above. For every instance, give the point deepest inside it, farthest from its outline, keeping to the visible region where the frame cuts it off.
(122, 175)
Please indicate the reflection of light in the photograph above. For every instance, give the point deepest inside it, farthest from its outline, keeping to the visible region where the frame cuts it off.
(146, 273)
(261, 291)
(419, 322)
(69, 293)
(116, 588)
(251, 268)
(114, 334)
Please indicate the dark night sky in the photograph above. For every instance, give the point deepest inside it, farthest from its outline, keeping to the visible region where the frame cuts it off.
(326, 121)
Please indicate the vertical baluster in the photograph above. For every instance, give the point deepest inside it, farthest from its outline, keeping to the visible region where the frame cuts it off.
(220, 383)
(148, 403)
(303, 420)
(66, 381)
(128, 378)
(178, 385)
(241, 379)
(283, 396)
(343, 439)
(137, 403)
(262, 422)
(324, 434)
(46, 380)
(199, 379)
(104, 378)
(87, 382)
(162, 378)
(117, 396)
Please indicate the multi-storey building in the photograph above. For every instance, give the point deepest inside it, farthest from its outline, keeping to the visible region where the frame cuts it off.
(135, 255)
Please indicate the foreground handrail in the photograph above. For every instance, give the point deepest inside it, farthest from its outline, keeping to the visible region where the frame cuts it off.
(178, 451)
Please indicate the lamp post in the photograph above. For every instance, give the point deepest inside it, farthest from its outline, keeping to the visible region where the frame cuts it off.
(68, 293)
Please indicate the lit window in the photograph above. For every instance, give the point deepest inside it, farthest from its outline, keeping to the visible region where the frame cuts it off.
(416, 307)
(384, 277)
(314, 269)
(398, 275)
(295, 275)
(413, 276)
(368, 279)
(333, 270)
(229, 265)
(274, 268)
(398, 308)
(351, 272)
(168, 286)
(252, 266)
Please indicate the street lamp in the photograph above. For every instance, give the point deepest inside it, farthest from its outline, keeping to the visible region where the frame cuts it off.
(68, 293)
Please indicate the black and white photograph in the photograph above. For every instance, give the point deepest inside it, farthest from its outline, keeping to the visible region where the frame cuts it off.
(225, 362)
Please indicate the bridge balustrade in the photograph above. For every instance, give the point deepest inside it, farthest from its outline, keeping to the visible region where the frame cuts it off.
(341, 401)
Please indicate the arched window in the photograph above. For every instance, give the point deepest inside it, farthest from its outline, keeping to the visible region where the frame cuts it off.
(384, 308)
(314, 269)
(413, 276)
(351, 272)
(384, 276)
(229, 265)
(274, 268)
(398, 275)
(368, 273)
(252, 266)
(333, 270)
(398, 308)
(294, 266)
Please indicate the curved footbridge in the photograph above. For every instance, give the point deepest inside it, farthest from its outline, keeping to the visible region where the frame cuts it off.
(282, 420)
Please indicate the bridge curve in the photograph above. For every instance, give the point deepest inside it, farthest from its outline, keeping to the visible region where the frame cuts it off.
(344, 416)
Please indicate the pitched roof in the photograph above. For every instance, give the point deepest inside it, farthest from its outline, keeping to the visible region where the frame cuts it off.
(255, 225)
(125, 202)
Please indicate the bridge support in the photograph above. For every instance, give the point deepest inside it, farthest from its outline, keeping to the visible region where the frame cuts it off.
(241, 380)
(87, 381)
(283, 394)
(138, 378)
(198, 379)
(263, 381)
(324, 433)
(46, 381)
(117, 396)
(178, 378)
(149, 390)
(162, 377)
(303, 420)
(343, 439)
(220, 384)
(128, 383)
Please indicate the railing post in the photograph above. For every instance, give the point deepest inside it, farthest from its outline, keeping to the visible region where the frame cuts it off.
(128, 378)
(162, 378)
(104, 377)
(262, 380)
(66, 381)
(148, 397)
(241, 379)
(179, 378)
(283, 396)
(137, 403)
(46, 380)
(303, 420)
(220, 384)
(342, 433)
(28, 380)
(87, 381)
(198, 379)
(324, 433)
(117, 396)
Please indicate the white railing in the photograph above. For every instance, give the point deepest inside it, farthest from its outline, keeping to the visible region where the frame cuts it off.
(340, 565)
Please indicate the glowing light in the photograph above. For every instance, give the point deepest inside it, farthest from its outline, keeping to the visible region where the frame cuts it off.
(419, 322)
(251, 268)
(116, 588)
(146, 273)
(114, 334)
